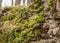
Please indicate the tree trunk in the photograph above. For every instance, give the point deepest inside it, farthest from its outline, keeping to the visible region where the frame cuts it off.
(17, 2)
(12, 2)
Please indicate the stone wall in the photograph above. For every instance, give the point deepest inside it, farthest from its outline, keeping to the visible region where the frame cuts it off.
(52, 21)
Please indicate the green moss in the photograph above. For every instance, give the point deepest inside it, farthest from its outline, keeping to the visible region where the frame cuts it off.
(6, 22)
(11, 39)
(41, 13)
(12, 16)
(36, 5)
(17, 8)
(50, 2)
(18, 39)
(25, 32)
(40, 8)
(28, 39)
(38, 31)
(30, 24)
(22, 28)
(4, 18)
(8, 8)
(36, 1)
(0, 30)
(30, 34)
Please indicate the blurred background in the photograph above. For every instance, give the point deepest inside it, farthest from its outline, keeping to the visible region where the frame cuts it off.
(4, 3)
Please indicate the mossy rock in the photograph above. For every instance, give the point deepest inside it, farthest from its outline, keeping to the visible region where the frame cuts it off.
(17, 35)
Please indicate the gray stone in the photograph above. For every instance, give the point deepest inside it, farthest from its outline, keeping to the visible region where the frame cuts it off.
(58, 41)
(57, 16)
(36, 26)
(50, 32)
(56, 31)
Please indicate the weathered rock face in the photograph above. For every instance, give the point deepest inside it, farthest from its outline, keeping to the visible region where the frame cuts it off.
(52, 22)
(58, 5)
